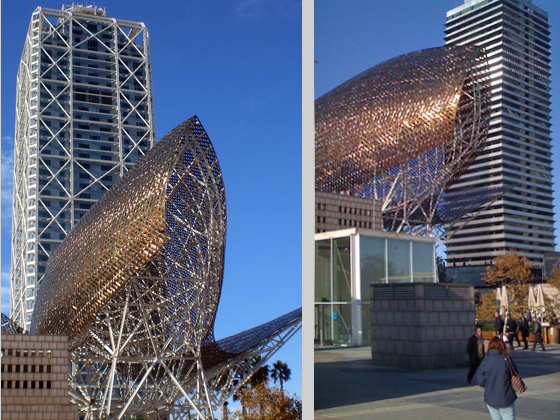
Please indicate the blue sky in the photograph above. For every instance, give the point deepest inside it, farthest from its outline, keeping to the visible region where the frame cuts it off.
(237, 66)
(352, 36)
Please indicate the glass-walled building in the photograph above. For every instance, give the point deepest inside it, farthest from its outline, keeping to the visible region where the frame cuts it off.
(347, 262)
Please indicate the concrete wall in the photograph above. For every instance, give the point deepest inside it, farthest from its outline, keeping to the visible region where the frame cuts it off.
(35, 378)
(421, 325)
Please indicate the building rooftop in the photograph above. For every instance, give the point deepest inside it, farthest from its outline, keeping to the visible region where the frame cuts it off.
(87, 9)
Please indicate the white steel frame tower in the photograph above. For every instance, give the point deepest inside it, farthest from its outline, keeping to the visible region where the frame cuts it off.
(84, 116)
(517, 153)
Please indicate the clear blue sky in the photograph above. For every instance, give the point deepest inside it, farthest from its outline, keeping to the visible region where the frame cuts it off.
(352, 36)
(237, 65)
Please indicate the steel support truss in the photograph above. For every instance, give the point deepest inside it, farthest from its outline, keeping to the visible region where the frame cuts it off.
(139, 359)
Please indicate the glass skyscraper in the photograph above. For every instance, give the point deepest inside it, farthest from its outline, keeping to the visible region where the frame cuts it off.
(84, 116)
(517, 153)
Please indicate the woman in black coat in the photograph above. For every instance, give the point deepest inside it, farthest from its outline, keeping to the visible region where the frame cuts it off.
(494, 375)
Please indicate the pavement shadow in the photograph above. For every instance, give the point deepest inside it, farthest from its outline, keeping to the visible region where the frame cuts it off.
(341, 380)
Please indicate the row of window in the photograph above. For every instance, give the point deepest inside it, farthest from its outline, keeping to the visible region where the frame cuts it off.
(26, 368)
(344, 222)
(345, 210)
(354, 223)
(351, 210)
(26, 384)
(26, 353)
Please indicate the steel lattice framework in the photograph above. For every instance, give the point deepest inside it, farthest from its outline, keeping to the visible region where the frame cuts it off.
(403, 130)
(136, 286)
(9, 326)
(84, 116)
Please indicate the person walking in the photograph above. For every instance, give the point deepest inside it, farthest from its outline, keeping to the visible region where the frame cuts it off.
(524, 330)
(498, 324)
(495, 377)
(512, 331)
(475, 349)
(537, 331)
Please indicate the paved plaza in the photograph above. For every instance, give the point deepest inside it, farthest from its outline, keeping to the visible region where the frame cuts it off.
(349, 387)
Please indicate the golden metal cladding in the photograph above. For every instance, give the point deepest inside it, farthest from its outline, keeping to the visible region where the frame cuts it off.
(165, 218)
(399, 111)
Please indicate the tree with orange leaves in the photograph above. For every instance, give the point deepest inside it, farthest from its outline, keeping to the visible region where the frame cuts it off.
(515, 273)
(262, 402)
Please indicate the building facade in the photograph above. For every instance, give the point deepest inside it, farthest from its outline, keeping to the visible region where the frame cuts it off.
(338, 211)
(84, 116)
(35, 377)
(517, 153)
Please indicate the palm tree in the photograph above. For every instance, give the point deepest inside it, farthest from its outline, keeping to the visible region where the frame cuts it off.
(280, 372)
(261, 375)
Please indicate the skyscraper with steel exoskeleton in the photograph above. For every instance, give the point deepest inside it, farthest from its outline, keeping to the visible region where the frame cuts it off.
(84, 116)
(517, 154)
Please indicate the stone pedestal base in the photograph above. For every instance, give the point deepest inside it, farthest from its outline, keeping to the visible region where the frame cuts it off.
(421, 325)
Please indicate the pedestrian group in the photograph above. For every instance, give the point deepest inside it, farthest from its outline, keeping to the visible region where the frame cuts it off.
(494, 368)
